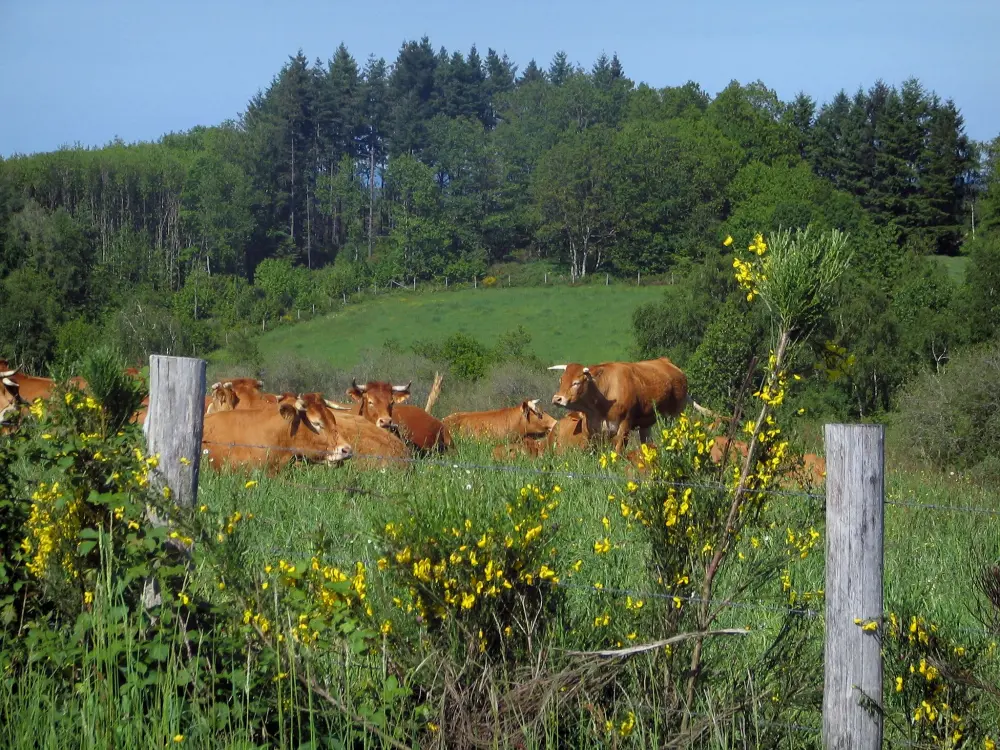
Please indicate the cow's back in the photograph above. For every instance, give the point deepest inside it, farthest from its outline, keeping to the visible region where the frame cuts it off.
(650, 386)
(232, 438)
(420, 428)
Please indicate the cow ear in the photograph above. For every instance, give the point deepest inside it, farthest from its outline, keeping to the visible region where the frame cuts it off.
(356, 391)
(533, 406)
(288, 412)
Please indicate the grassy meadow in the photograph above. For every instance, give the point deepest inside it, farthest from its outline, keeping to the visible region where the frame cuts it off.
(566, 323)
(762, 688)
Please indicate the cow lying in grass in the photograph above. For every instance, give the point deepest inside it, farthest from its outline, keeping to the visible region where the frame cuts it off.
(513, 423)
(382, 404)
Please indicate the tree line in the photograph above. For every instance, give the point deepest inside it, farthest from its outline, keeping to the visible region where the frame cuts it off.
(445, 163)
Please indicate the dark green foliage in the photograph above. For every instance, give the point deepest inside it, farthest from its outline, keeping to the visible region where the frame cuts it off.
(951, 418)
(982, 288)
(119, 394)
(721, 364)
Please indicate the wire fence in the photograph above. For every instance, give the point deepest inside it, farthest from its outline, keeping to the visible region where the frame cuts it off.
(612, 478)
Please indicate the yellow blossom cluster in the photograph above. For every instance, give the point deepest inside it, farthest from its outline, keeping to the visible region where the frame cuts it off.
(323, 594)
(468, 567)
(748, 275)
(937, 705)
(53, 528)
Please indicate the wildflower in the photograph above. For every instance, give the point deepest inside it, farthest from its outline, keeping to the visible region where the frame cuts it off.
(250, 484)
(386, 628)
(178, 738)
(185, 460)
(602, 620)
(631, 486)
(184, 599)
(432, 726)
(468, 600)
(899, 684)
(88, 597)
(602, 546)
(628, 725)
(728, 241)
(222, 585)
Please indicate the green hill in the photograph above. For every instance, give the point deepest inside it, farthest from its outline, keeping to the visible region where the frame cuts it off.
(587, 323)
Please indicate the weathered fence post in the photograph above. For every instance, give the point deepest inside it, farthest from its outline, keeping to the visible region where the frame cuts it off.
(475, 282)
(173, 429)
(855, 495)
(638, 277)
(174, 423)
(546, 281)
(607, 279)
(414, 283)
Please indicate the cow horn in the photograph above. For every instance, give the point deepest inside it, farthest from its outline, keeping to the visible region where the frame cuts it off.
(586, 371)
(558, 367)
(227, 385)
(300, 404)
(216, 386)
(356, 387)
(402, 388)
(533, 405)
(9, 382)
(260, 383)
(335, 405)
(9, 373)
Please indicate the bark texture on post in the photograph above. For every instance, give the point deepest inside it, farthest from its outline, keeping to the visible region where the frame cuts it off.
(855, 495)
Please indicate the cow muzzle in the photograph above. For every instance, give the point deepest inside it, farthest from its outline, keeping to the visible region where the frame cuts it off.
(560, 400)
(385, 423)
(340, 454)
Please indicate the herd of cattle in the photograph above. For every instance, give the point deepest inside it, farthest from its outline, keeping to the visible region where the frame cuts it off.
(245, 425)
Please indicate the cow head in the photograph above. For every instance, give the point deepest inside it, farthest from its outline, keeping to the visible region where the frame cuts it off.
(574, 386)
(10, 397)
(534, 420)
(315, 427)
(376, 399)
(224, 398)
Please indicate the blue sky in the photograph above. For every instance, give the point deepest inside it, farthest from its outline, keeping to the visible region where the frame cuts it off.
(89, 71)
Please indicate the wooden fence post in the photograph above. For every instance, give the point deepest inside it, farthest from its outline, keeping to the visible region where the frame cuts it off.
(174, 423)
(855, 496)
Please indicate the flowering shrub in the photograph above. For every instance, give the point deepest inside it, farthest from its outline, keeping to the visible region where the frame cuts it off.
(927, 681)
(494, 577)
(489, 281)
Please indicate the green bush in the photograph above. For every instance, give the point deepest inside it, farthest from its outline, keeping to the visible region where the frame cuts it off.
(952, 418)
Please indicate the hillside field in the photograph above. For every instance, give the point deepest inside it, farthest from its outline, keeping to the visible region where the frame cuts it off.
(586, 323)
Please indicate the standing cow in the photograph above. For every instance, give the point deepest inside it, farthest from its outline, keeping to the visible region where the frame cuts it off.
(618, 397)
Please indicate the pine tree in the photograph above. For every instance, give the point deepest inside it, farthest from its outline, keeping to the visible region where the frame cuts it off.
(500, 74)
(947, 161)
(411, 86)
(617, 72)
(601, 72)
(376, 113)
(801, 114)
(532, 74)
(560, 69)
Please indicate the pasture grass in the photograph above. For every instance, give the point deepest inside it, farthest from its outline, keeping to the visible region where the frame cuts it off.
(567, 323)
(932, 556)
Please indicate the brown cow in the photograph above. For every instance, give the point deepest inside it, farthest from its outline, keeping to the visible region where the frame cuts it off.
(523, 420)
(618, 397)
(10, 398)
(241, 393)
(382, 404)
(272, 436)
(569, 433)
(373, 446)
